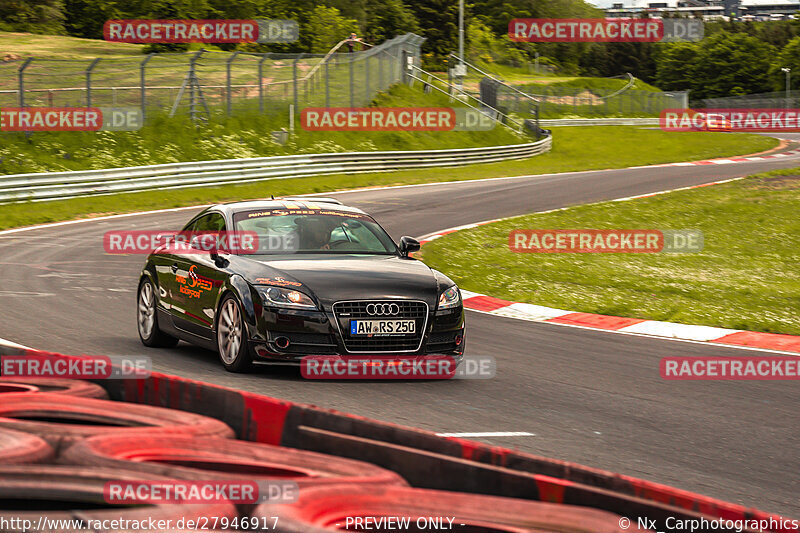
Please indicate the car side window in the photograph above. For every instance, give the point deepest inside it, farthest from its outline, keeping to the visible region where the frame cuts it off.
(210, 222)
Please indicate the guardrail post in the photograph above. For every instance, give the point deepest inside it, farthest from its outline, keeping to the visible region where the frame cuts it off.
(261, 83)
(143, 85)
(21, 80)
(228, 81)
(94, 62)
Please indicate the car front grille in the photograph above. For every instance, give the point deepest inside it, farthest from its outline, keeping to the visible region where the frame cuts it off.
(408, 309)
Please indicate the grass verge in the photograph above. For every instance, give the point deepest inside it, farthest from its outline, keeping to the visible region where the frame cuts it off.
(245, 134)
(745, 277)
(574, 148)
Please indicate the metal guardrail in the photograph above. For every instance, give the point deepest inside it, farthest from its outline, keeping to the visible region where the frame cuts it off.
(74, 184)
(618, 121)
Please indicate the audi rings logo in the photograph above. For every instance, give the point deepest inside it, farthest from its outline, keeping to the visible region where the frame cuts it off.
(383, 309)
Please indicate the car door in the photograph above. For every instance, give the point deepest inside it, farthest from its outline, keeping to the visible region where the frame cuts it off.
(165, 263)
(198, 281)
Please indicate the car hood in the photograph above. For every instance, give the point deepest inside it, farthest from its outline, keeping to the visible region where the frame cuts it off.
(348, 277)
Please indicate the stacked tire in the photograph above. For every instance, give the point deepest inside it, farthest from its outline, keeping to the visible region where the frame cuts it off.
(60, 450)
(70, 387)
(393, 508)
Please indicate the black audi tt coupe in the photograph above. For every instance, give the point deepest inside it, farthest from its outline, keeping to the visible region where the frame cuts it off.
(308, 276)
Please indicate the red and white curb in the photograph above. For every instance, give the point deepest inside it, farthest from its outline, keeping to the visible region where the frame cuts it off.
(688, 332)
(728, 161)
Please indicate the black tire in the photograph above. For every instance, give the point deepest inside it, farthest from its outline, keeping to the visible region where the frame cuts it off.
(61, 421)
(231, 336)
(147, 318)
(31, 492)
(23, 448)
(70, 387)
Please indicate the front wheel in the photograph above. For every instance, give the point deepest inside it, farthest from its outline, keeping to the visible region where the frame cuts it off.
(232, 342)
(147, 318)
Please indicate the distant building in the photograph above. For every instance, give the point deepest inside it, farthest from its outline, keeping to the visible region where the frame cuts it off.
(707, 9)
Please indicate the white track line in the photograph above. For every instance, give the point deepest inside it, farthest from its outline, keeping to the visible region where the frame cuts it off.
(489, 434)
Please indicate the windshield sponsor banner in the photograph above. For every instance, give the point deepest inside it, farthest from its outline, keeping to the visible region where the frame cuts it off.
(620, 30)
(201, 31)
(75, 367)
(190, 492)
(604, 241)
(397, 367)
(730, 120)
(70, 119)
(730, 368)
(196, 242)
(302, 208)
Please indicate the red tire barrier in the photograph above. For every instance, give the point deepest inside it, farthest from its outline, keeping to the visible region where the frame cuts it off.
(71, 387)
(61, 423)
(23, 448)
(31, 492)
(336, 508)
(183, 457)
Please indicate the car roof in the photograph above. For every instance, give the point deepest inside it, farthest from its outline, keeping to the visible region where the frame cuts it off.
(309, 202)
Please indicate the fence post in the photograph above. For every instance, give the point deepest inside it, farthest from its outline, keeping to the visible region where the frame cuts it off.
(380, 71)
(367, 90)
(294, 78)
(94, 62)
(352, 89)
(228, 81)
(21, 80)
(327, 84)
(261, 83)
(192, 82)
(142, 83)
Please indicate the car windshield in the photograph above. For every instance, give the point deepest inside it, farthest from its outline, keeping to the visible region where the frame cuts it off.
(326, 231)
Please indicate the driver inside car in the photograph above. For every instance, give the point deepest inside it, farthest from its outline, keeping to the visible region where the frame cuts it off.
(315, 233)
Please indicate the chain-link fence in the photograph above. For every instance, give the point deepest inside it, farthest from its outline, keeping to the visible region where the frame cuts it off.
(207, 82)
(776, 100)
(562, 102)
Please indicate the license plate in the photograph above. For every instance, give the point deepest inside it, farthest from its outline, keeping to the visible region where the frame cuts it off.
(382, 327)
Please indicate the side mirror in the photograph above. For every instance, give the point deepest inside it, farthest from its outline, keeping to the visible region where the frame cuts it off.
(220, 257)
(408, 245)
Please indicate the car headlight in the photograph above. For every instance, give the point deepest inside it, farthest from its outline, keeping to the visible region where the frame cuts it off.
(450, 298)
(282, 297)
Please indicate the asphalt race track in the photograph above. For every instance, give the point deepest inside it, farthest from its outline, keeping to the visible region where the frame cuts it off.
(587, 396)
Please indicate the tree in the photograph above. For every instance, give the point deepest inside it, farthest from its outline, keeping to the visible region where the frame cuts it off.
(674, 63)
(387, 19)
(36, 16)
(726, 61)
(439, 20)
(327, 27)
(788, 58)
